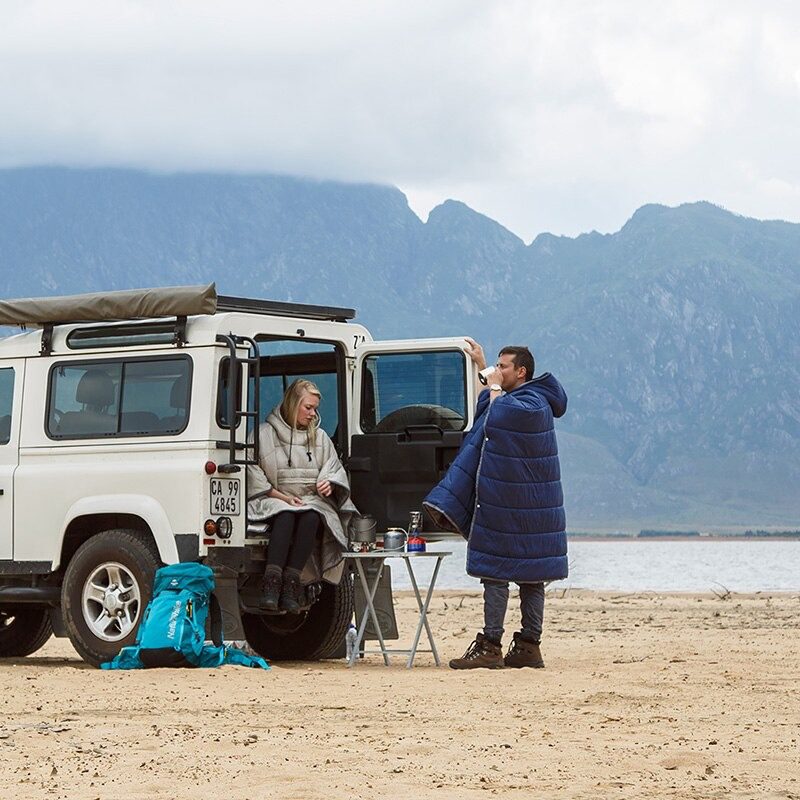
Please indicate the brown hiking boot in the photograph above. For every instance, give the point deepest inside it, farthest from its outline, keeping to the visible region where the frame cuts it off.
(290, 591)
(523, 653)
(271, 587)
(480, 654)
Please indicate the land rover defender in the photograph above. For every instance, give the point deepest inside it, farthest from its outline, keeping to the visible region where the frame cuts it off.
(126, 424)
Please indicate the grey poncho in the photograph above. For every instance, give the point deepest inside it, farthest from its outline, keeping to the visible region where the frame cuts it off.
(278, 445)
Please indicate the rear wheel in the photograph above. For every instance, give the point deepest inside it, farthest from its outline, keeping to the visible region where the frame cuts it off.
(23, 630)
(106, 588)
(309, 636)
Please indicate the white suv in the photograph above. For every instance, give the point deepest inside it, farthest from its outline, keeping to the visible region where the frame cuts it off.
(124, 422)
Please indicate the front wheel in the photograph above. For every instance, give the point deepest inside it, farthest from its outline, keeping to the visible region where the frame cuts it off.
(106, 588)
(23, 630)
(309, 636)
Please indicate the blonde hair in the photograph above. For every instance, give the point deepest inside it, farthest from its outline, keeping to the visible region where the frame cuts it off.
(291, 403)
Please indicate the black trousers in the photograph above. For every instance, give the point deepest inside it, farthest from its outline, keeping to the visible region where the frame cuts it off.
(292, 538)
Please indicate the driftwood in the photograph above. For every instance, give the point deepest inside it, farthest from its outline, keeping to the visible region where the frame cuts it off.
(723, 593)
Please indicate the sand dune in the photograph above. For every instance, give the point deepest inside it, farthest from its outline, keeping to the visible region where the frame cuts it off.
(643, 696)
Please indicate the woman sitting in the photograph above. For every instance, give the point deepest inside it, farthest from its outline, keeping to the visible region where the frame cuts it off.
(302, 487)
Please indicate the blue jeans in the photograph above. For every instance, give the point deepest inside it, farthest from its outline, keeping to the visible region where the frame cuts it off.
(495, 603)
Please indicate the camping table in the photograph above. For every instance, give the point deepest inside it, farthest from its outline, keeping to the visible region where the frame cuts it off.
(369, 595)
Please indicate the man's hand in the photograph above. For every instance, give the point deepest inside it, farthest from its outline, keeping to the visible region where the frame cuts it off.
(324, 488)
(476, 353)
(494, 377)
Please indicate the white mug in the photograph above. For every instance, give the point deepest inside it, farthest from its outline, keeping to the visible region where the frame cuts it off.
(484, 374)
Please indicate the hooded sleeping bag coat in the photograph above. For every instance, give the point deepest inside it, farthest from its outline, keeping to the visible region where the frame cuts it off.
(502, 492)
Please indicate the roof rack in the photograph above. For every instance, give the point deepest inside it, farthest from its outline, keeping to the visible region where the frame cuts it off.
(141, 304)
(275, 309)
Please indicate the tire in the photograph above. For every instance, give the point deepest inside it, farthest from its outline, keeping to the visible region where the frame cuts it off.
(309, 636)
(23, 630)
(91, 596)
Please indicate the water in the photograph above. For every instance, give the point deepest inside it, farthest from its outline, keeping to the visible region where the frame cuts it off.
(741, 565)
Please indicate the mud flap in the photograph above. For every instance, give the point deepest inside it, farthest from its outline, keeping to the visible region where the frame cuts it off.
(227, 592)
(384, 603)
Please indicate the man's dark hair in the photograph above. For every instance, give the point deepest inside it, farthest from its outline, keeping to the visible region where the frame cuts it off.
(522, 358)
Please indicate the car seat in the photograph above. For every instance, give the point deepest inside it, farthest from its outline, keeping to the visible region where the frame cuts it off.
(5, 429)
(178, 396)
(95, 393)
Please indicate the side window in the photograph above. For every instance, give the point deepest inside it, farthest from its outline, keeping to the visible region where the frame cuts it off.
(84, 399)
(6, 403)
(155, 396)
(406, 389)
(143, 397)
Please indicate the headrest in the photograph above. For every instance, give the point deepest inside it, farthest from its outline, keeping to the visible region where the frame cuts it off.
(95, 388)
(177, 395)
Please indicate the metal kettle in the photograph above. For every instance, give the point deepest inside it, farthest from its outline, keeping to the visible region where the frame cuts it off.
(394, 539)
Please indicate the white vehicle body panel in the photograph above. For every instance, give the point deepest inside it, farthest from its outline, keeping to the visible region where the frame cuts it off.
(59, 480)
(149, 509)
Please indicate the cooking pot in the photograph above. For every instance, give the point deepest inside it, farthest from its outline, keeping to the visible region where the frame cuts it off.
(362, 529)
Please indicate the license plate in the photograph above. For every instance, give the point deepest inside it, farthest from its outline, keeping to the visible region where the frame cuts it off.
(226, 496)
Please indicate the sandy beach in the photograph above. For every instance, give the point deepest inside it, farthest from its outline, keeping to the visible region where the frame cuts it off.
(685, 696)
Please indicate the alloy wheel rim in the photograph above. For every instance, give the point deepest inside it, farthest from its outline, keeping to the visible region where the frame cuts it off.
(111, 601)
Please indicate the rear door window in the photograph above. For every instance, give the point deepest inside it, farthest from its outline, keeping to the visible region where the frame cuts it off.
(406, 389)
(282, 362)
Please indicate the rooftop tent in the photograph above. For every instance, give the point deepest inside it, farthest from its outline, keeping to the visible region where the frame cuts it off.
(175, 301)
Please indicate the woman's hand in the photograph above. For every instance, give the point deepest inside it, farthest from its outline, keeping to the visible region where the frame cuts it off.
(289, 499)
(324, 488)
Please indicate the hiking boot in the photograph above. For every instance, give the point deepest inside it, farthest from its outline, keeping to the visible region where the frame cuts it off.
(523, 653)
(271, 587)
(290, 591)
(482, 653)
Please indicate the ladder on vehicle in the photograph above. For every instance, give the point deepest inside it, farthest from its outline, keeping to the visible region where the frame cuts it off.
(235, 415)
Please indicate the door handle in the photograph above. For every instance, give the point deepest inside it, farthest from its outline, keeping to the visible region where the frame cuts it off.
(421, 433)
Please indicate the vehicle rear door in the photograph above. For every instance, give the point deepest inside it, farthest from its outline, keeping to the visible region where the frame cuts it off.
(413, 402)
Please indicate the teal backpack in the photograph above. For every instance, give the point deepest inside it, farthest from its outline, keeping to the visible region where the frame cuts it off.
(173, 628)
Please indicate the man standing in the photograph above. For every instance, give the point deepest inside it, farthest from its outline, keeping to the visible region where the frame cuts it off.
(503, 494)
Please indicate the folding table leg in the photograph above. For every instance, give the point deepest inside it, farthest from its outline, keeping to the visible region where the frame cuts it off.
(369, 597)
(423, 612)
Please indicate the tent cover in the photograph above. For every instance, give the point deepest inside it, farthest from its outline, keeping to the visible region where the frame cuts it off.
(175, 301)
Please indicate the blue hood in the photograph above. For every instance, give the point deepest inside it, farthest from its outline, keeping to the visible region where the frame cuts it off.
(547, 386)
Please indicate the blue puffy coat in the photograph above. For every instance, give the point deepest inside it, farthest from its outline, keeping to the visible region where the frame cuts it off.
(503, 490)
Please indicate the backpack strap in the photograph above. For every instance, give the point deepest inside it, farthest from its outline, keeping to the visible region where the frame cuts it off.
(215, 619)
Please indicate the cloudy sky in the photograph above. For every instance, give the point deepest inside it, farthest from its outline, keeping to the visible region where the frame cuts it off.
(547, 116)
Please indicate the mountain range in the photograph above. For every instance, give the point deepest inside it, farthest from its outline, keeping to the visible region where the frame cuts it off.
(676, 337)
